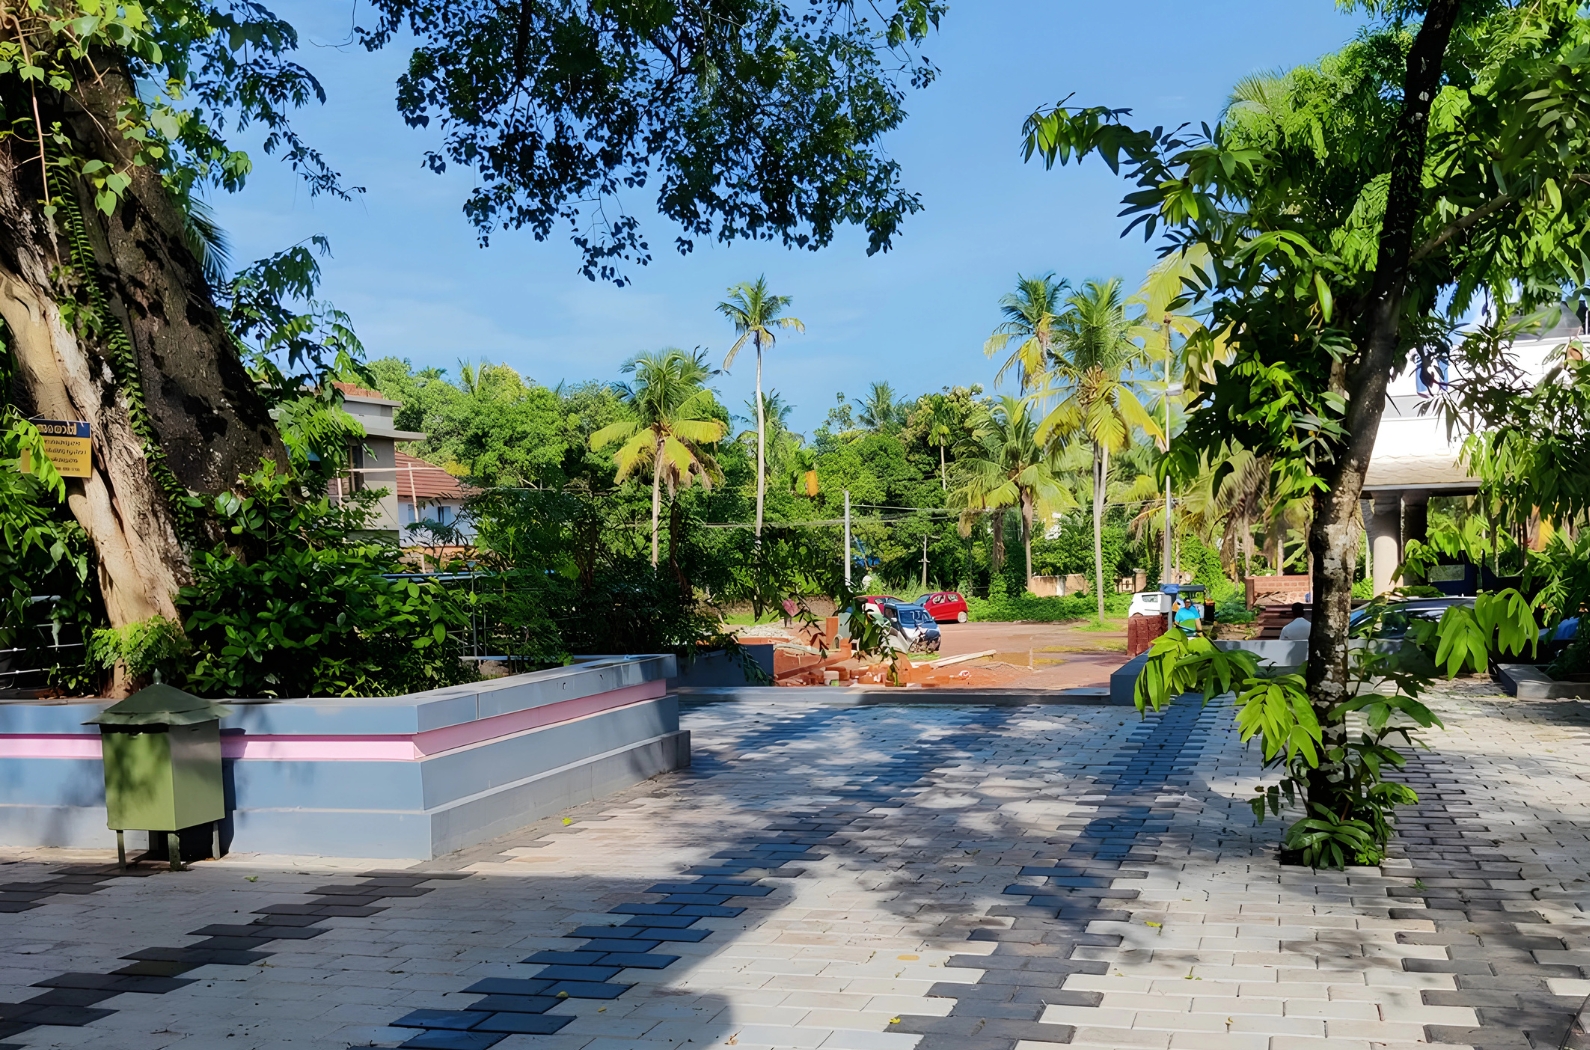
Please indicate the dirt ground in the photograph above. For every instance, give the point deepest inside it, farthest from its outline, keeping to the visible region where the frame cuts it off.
(1037, 655)
(1024, 655)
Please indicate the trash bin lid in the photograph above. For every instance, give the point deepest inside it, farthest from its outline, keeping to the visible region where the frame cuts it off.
(160, 704)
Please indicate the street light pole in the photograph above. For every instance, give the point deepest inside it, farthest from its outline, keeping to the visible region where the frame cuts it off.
(847, 539)
(1170, 391)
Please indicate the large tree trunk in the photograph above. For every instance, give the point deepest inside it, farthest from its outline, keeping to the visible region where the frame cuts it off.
(119, 506)
(1332, 536)
(997, 559)
(155, 375)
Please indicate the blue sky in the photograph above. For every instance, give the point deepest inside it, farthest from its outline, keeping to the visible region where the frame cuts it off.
(407, 267)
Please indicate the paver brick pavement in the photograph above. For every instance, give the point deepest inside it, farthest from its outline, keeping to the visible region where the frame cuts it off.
(885, 877)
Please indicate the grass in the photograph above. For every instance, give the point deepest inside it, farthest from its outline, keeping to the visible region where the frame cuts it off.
(1109, 623)
(745, 619)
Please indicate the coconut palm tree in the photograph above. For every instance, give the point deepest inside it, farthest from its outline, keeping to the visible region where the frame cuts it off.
(880, 409)
(755, 312)
(781, 440)
(942, 423)
(673, 419)
(1030, 315)
(1090, 378)
(775, 416)
(1165, 329)
(1011, 467)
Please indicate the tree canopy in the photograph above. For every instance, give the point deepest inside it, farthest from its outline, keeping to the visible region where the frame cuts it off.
(756, 119)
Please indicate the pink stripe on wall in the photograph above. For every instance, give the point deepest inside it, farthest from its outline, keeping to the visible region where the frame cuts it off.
(75, 745)
(393, 748)
(453, 737)
(320, 748)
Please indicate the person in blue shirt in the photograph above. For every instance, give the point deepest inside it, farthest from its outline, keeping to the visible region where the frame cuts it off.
(1185, 615)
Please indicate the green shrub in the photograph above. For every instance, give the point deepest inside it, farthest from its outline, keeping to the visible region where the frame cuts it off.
(293, 605)
(154, 649)
(1234, 610)
(1008, 608)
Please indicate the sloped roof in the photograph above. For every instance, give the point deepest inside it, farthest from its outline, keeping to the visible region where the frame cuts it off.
(359, 393)
(422, 482)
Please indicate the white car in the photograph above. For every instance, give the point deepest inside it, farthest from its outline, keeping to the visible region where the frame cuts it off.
(1150, 603)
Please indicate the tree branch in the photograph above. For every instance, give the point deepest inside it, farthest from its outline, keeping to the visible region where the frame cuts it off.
(1463, 225)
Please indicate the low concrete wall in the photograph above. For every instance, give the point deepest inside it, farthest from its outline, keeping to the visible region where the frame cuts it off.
(1057, 586)
(1528, 682)
(1123, 680)
(402, 777)
(1274, 653)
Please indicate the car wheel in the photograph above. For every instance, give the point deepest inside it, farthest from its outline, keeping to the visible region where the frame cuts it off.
(960, 617)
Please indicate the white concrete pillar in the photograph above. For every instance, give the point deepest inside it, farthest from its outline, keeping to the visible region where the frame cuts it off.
(1385, 535)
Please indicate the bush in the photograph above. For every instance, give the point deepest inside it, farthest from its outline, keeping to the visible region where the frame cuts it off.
(1010, 608)
(295, 606)
(1234, 610)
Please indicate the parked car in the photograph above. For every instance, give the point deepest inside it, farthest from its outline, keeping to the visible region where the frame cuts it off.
(1553, 640)
(912, 628)
(1399, 614)
(876, 602)
(944, 606)
(1157, 603)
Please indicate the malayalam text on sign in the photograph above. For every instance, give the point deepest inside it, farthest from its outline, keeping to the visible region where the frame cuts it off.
(66, 442)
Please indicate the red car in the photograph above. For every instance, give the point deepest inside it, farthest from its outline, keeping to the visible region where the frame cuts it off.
(877, 601)
(944, 606)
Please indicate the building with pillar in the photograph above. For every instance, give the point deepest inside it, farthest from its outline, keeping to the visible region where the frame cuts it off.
(1415, 458)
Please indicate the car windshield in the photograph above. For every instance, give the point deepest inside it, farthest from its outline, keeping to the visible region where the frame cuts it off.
(1395, 619)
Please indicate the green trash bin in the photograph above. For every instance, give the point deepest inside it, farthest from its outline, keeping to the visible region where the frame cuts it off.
(162, 753)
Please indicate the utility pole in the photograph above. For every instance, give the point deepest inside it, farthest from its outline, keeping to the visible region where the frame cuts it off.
(847, 539)
(924, 561)
(1170, 391)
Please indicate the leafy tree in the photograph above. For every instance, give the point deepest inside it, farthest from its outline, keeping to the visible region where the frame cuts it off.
(504, 430)
(1014, 469)
(1353, 210)
(424, 393)
(841, 419)
(758, 119)
(1090, 376)
(673, 420)
(1030, 315)
(755, 312)
(115, 118)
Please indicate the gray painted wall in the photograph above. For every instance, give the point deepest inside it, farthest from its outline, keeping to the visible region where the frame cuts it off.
(416, 809)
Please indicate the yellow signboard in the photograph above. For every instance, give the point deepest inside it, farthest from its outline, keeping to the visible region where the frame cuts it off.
(66, 442)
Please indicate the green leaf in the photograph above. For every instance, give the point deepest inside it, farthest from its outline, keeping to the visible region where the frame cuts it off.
(1324, 292)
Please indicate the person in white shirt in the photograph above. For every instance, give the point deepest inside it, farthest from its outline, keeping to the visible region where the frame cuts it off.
(1299, 627)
